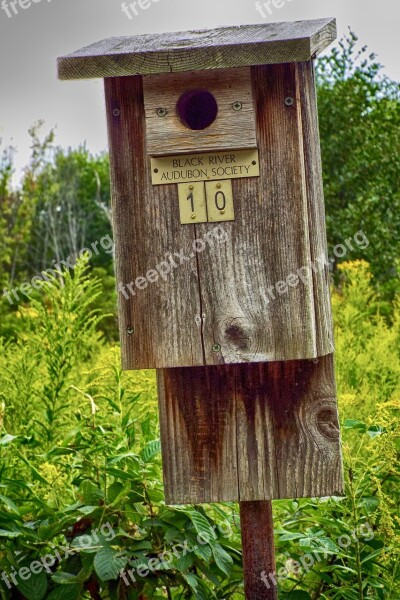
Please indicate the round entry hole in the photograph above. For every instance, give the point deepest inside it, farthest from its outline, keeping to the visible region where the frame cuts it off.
(197, 109)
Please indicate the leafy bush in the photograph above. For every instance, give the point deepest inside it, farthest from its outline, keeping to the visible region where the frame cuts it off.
(82, 502)
(81, 476)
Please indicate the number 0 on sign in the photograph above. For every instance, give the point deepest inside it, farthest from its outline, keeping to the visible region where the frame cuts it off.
(219, 196)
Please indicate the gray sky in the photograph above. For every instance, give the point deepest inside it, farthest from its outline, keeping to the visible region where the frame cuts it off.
(31, 40)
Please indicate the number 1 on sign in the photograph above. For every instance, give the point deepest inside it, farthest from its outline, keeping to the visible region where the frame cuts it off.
(191, 198)
(192, 203)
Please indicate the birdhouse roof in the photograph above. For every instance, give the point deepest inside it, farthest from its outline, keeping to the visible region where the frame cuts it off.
(222, 48)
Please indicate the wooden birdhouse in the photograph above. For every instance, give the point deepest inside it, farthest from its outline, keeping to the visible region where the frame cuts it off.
(221, 255)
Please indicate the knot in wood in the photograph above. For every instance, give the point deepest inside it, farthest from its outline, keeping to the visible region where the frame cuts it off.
(327, 423)
(237, 335)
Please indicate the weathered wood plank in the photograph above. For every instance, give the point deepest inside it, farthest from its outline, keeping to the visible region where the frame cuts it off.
(227, 47)
(159, 324)
(198, 434)
(250, 432)
(249, 308)
(316, 207)
(232, 129)
(288, 431)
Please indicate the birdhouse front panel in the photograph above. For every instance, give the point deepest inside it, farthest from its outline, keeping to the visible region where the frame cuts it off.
(219, 223)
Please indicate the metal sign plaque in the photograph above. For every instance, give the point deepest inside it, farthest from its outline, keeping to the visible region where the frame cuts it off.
(212, 166)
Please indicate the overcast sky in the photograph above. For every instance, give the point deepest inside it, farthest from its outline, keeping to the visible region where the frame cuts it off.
(31, 40)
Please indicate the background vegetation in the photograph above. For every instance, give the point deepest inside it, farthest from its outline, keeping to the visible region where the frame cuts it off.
(79, 444)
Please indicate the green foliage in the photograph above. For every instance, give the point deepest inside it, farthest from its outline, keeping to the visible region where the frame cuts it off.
(81, 470)
(54, 335)
(62, 208)
(359, 110)
(80, 475)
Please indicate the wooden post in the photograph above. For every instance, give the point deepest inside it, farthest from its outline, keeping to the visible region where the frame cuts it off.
(258, 550)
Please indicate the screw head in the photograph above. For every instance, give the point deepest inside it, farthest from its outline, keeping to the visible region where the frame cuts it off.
(216, 348)
(237, 105)
(155, 170)
(129, 330)
(116, 112)
(289, 101)
(254, 162)
(219, 185)
(191, 187)
(162, 112)
(193, 216)
(222, 212)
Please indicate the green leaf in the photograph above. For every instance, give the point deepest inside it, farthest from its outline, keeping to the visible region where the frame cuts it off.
(35, 587)
(376, 430)
(10, 504)
(204, 552)
(291, 536)
(191, 580)
(9, 534)
(108, 563)
(7, 439)
(371, 556)
(370, 503)
(150, 450)
(297, 595)
(35, 473)
(354, 424)
(66, 578)
(114, 491)
(120, 457)
(91, 493)
(184, 562)
(66, 592)
(201, 525)
(223, 560)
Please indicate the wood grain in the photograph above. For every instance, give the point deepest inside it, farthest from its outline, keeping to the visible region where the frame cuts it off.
(159, 325)
(250, 432)
(198, 434)
(230, 303)
(231, 129)
(315, 195)
(248, 308)
(227, 47)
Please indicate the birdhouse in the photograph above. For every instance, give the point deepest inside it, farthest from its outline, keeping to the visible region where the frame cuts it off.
(221, 255)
